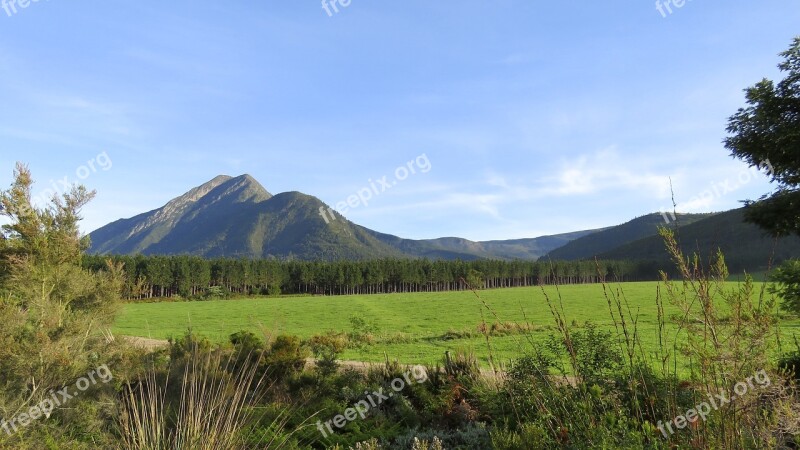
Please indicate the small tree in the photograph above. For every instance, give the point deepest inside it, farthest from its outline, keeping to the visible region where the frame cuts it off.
(52, 311)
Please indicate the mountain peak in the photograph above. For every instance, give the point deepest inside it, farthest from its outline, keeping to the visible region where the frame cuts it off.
(243, 188)
(223, 194)
(246, 176)
(219, 179)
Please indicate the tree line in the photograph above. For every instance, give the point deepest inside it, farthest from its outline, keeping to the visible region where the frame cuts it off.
(149, 277)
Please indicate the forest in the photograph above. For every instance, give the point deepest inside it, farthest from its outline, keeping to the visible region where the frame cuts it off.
(152, 277)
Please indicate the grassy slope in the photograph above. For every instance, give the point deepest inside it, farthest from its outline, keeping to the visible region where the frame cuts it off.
(424, 317)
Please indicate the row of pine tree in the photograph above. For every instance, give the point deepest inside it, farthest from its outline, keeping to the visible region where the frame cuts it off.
(189, 276)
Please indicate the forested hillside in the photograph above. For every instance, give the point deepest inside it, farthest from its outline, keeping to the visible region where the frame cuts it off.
(589, 246)
(746, 246)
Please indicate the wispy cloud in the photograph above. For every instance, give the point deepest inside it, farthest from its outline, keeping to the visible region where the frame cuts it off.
(603, 171)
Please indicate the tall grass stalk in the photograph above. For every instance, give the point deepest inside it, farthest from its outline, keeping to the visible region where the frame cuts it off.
(217, 401)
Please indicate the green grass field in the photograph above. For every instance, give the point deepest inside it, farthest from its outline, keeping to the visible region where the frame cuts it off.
(411, 326)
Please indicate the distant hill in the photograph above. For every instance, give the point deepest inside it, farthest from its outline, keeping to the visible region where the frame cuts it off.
(237, 217)
(594, 244)
(745, 246)
(453, 247)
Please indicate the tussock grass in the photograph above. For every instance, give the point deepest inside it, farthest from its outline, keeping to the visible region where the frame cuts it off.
(218, 399)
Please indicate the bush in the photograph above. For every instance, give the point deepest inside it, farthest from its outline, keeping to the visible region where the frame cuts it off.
(286, 357)
(326, 349)
(363, 333)
(596, 353)
(216, 293)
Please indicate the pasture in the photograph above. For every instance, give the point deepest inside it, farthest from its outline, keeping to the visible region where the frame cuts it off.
(414, 328)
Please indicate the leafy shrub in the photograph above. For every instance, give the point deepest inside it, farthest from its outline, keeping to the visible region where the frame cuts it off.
(286, 357)
(326, 349)
(216, 293)
(596, 353)
(363, 333)
(247, 342)
(187, 344)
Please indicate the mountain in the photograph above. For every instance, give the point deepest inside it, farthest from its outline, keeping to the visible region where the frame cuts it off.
(237, 217)
(745, 245)
(593, 244)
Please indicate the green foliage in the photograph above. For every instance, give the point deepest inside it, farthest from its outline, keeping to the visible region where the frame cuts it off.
(475, 279)
(730, 334)
(215, 292)
(764, 135)
(362, 333)
(462, 364)
(789, 363)
(597, 354)
(326, 349)
(274, 290)
(529, 434)
(286, 357)
(787, 285)
(469, 437)
(53, 312)
(188, 344)
(247, 342)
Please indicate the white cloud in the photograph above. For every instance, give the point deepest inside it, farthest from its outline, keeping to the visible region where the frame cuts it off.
(605, 170)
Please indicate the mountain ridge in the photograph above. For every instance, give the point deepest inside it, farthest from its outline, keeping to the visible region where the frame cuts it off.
(238, 217)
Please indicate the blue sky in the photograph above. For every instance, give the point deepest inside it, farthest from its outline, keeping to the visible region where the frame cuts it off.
(536, 117)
